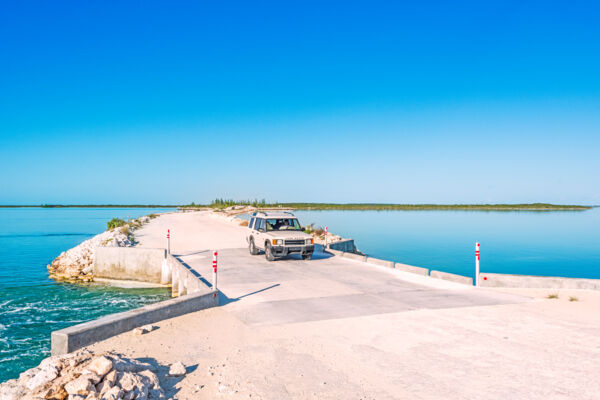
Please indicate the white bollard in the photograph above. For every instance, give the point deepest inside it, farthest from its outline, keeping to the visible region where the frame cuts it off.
(215, 272)
(169, 241)
(164, 275)
(476, 264)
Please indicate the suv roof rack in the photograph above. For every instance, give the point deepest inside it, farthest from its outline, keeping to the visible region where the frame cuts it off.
(272, 213)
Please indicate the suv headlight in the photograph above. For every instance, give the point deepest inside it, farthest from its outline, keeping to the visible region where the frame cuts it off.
(310, 241)
(278, 241)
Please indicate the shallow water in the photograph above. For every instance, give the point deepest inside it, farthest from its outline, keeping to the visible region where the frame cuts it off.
(31, 304)
(557, 243)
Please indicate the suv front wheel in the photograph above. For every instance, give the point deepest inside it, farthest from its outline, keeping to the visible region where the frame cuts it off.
(269, 252)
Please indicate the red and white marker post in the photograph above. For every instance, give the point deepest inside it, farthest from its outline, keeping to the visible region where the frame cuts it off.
(215, 272)
(476, 264)
(325, 237)
(169, 241)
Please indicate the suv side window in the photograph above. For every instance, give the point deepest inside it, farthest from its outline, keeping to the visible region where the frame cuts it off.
(251, 224)
(260, 224)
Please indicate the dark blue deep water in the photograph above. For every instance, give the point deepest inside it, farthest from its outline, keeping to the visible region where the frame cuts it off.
(31, 304)
(557, 243)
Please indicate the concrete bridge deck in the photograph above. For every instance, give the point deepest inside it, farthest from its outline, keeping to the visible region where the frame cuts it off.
(293, 290)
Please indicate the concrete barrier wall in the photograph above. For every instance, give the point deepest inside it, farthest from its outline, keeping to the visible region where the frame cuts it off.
(183, 280)
(343, 245)
(383, 263)
(129, 263)
(451, 277)
(78, 336)
(335, 252)
(530, 281)
(412, 269)
(357, 257)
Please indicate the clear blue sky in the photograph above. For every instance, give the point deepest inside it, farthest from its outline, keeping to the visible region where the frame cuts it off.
(423, 102)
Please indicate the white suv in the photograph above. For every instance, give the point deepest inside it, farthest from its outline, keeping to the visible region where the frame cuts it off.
(278, 234)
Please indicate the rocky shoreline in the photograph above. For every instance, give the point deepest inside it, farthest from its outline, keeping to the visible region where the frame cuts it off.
(76, 265)
(85, 375)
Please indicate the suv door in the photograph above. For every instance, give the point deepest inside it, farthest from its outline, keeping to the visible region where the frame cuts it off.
(257, 232)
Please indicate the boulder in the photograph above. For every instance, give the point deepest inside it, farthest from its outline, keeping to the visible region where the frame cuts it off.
(81, 386)
(103, 387)
(42, 377)
(128, 381)
(114, 393)
(11, 390)
(129, 365)
(100, 366)
(111, 378)
(150, 379)
(142, 330)
(177, 369)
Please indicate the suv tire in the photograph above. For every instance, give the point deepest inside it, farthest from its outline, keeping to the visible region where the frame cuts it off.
(252, 247)
(307, 256)
(269, 252)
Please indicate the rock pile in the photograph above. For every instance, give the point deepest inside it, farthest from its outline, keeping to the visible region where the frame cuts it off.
(85, 376)
(76, 264)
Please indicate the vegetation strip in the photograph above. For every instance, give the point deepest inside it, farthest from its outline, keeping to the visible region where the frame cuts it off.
(221, 204)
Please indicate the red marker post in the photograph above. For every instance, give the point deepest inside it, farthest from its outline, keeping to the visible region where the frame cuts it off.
(325, 237)
(169, 241)
(214, 262)
(476, 264)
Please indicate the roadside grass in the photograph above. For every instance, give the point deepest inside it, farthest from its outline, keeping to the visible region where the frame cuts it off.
(552, 296)
(244, 223)
(152, 216)
(573, 298)
(115, 223)
(125, 230)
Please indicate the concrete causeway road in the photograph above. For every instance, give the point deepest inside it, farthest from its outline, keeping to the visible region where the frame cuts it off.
(333, 328)
(293, 290)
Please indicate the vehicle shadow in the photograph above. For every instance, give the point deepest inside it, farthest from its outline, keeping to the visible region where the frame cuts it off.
(224, 299)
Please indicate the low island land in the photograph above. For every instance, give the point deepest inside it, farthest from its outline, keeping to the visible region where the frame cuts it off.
(220, 204)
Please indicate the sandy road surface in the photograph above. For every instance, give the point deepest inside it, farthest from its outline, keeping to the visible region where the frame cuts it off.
(331, 328)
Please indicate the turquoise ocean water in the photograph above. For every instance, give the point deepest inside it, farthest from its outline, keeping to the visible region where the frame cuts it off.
(31, 304)
(557, 243)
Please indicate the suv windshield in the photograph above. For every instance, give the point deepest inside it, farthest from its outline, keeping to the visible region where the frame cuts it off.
(283, 224)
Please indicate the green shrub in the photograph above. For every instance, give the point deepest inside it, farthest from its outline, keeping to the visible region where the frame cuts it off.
(125, 230)
(115, 223)
(553, 296)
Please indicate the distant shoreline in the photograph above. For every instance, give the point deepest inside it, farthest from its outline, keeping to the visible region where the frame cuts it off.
(339, 206)
(393, 207)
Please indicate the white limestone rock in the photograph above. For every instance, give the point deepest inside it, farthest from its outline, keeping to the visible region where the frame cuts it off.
(150, 379)
(114, 393)
(42, 377)
(82, 386)
(77, 263)
(100, 366)
(177, 369)
(11, 390)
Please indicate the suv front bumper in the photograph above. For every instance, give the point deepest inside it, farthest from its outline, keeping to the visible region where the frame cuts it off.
(281, 251)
